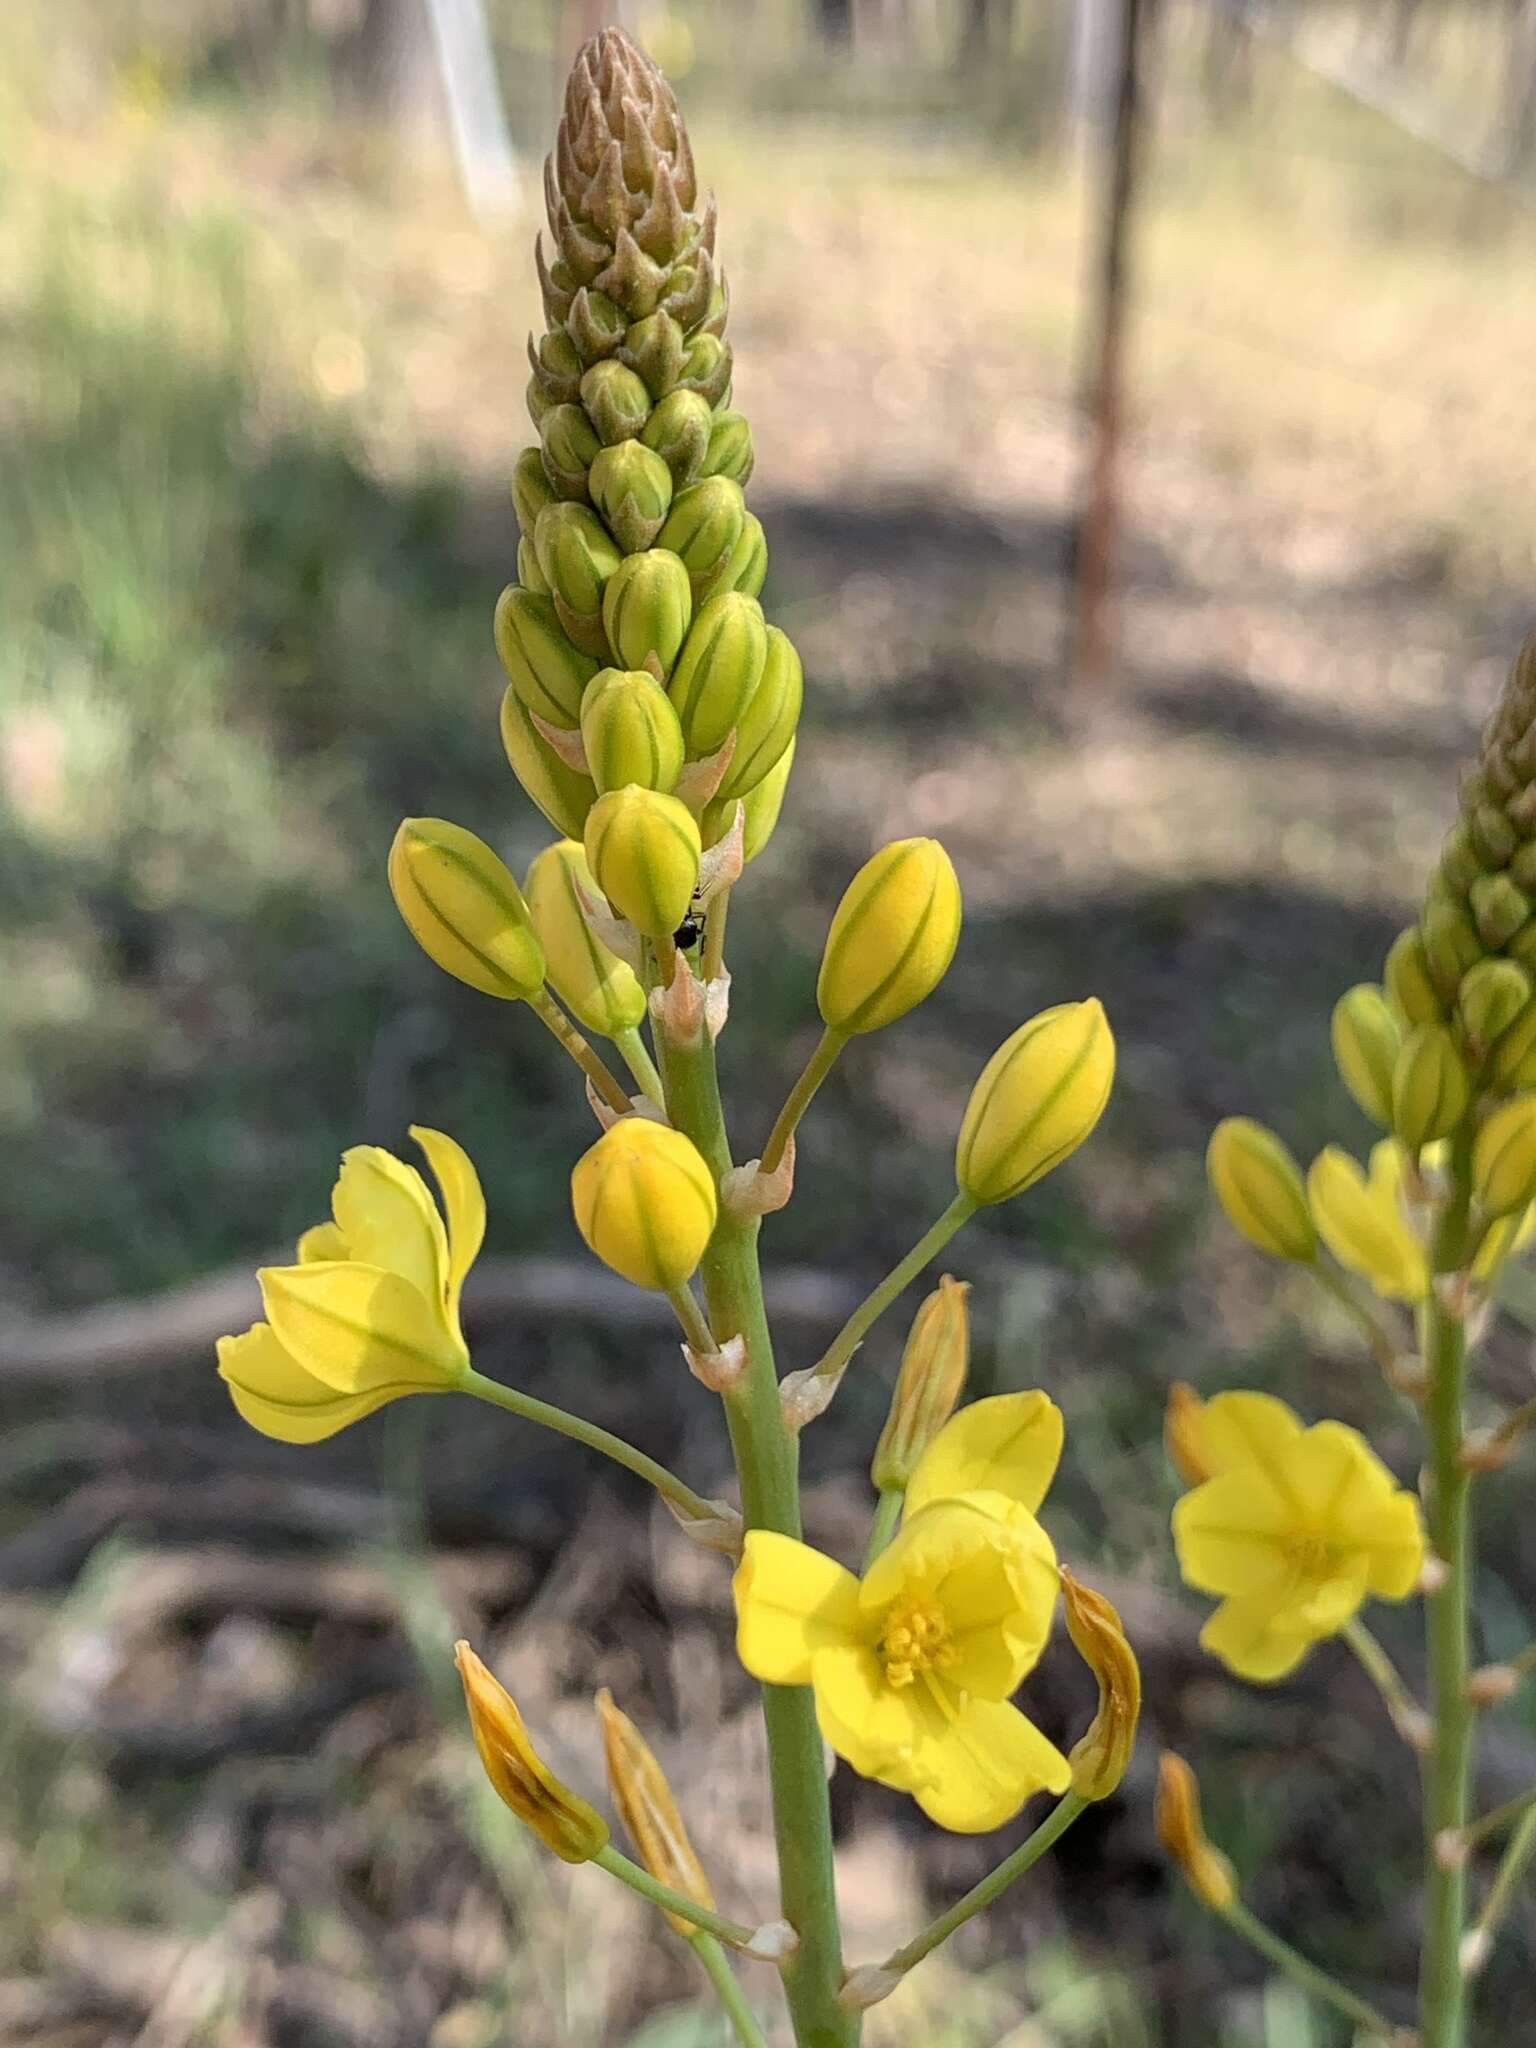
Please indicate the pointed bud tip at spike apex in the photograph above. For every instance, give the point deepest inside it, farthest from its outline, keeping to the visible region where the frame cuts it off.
(1258, 1183)
(892, 937)
(1037, 1099)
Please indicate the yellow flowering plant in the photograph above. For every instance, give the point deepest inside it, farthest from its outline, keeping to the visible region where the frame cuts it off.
(1294, 1528)
(650, 715)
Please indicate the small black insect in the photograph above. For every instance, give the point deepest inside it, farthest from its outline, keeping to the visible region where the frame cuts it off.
(690, 931)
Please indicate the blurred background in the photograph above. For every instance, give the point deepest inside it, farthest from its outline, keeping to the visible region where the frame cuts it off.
(1191, 735)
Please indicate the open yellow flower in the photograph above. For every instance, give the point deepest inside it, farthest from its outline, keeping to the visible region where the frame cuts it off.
(371, 1309)
(1362, 1219)
(913, 1664)
(1294, 1529)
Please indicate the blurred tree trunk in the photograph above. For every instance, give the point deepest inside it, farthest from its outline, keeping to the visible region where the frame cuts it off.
(387, 69)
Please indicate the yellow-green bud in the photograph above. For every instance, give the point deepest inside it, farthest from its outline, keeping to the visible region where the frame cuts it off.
(602, 992)
(1451, 944)
(1493, 835)
(891, 939)
(1366, 1041)
(547, 672)
(630, 731)
(570, 442)
(1430, 1090)
(1504, 1158)
(730, 448)
(643, 847)
(1499, 908)
(529, 574)
(1258, 1183)
(632, 488)
(707, 367)
(531, 490)
(557, 365)
(577, 557)
(616, 400)
(539, 402)
(678, 430)
(560, 793)
(768, 724)
(596, 324)
(464, 909)
(760, 809)
(933, 1369)
(1410, 985)
(744, 568)
(647, 609)
(645, 1203)
(1491, 997)
(1514, 1057)
(653, 347)
(705, 524)
(1458, 862)
(719, 669)
(1037, 1099)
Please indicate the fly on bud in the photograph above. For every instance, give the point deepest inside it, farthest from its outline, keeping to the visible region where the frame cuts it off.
(547, 672)
(647, 609)
(1430, 1089)
(602, 992)
(464, 909)
(1037, 1099)
(1101, 1758)
(891, 939)
(562, 1820)
(561, 794)
(643, 847)
(632, 488)
(1504, 1158)
(932, 1377)
(719, 670)
(645, 1203)
(1366, 1041)
(650, 1813)
(630, 732)
(1258, 1183)
(1179, 1828)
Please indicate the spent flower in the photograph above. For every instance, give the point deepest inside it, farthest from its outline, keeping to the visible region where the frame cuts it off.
(561, 1818)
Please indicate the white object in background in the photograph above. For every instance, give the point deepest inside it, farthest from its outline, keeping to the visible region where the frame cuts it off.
(482, 144)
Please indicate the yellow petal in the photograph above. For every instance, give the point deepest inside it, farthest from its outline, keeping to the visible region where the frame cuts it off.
(1247, 1637)
(359, 1329)
(463, 1203)
(1321, 1607)
(389, 1220)
(1395, 1552)
(1362, 1222)
(322, 1241)
(988, 1760)
(1242, 1428)
(1009, 1443)
(274, 1393)
(875, 1726)
(791, 1601)
(1229, 1534)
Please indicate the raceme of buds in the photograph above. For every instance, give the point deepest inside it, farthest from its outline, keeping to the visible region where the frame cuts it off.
(1430, 1090)
(891, 939)
(643, 848)
(1177, 1815)
(1101, 1758)
(547, 672)
(630, 732)
(464, 909)
(561, 794)
(1037, 1099)
(632, 487)
(562, 1820)
(1259, 1186)
(933, 1368)
(1366, 1040)
(647, 608)
(649, 1811)
(768, 724)
(1409, 984)
(645, 1203)
(718, 670)
(1184, 1435)
(1492, 995)
(602, 992)
(1504, 1158)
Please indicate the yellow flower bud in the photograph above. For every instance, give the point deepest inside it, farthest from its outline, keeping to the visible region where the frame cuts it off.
(1409, 983)
(561, 794)
(1430, 1090)
(647, 607)
(531, 490)
(1101, 1758)
(649, 1812)
(577, 556)
(529, 574)
(644, 847)
(601, 991)
(1177, 1814)
(1499, 908)
(632, 487)
(630, 731)
(718, 670)
(768, 724)
(521, 1779)
(1366, 1041)
(892, 937)
(464, 909)
(547, 672)
(1362, 1221)
(653, 348)
(1259, 1186)
(1037, 1099)
(1514, 1057)
(745, 568)
(679, 431)
(933, 1369)
(1184, 1435)
(1451, 944)
(1492, 995)
(1504, 1158)
(645, 1203)
(705, 521)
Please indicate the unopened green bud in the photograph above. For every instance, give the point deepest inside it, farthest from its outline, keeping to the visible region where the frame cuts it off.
(1494, 837)
(1258, 1183)
(1499, 908)
(1522, 867)
(730, 448)
(643, 847)
(538, 401)
(707, 367)
(743, 569)
(531, 490)
(558, 366)
(1366, 1041)
(705, 524)
(1492, 995)
(616, 401)
(602, 992)
(678, 430)
(1037, 1099)
(1504, 1158)
(719, 669)
(560, 793)
(1514, 1057)
(630, 731)
(653, 348)
(464, 909)
(933, 1369)
(1459, 862)
(1430, 1090)
(1451, 944)
(1522, 947)
(596, 324)
(768, 724)
(632, 488)
(577, 556)
(529, 574)
(570, 442)
(891, 939)
(1410, 985)
(647, 609)
(547, 672)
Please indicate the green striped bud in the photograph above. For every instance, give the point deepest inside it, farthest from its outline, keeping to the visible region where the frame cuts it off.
(547, 672)
(1410, 985)
(630, 731)
(678, 430)
(632, 488)
(645, 1202)
(602, 992)
(1459, 863)
(891, 938)
(577, 556)
(1492, 995)
(1430, 1090)
(730, 448)
(760, 809)
(1493, 836)
(707, 367)
(464, 909)
(1258, 1183)
(616, 401)
(718, 671)
(643, 847)
(1522, 947)
(596, 325)
(538, 401)
(1366, 1041)
(743, 569)
(1037, 1099)
(531, 490)
(570, 442)
(768, 724)
(1499, 908)
(1451, 944)
(557, 366)
(560, 793)
(705, 524)
(653, 348)
(1514, 1057)
(1504, 1158)
(529, 574)
(647, 609)
(1522, 868)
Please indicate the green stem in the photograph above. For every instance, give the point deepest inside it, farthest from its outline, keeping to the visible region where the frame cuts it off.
(639, 1062)
(549, 1013)
(883, 1528)
(719, 1972)
(1049, 1832)
(618, 1865)
(666, 1483)
(1498, 1818)
(873, 1306)
(1512, 1867)
(1448, 1768)
(1515, 1424)
(1408, 1717)
(1384, 1345)
(817, 1068)
(691, 1316)
(1300, 1971)
(767, 1460)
